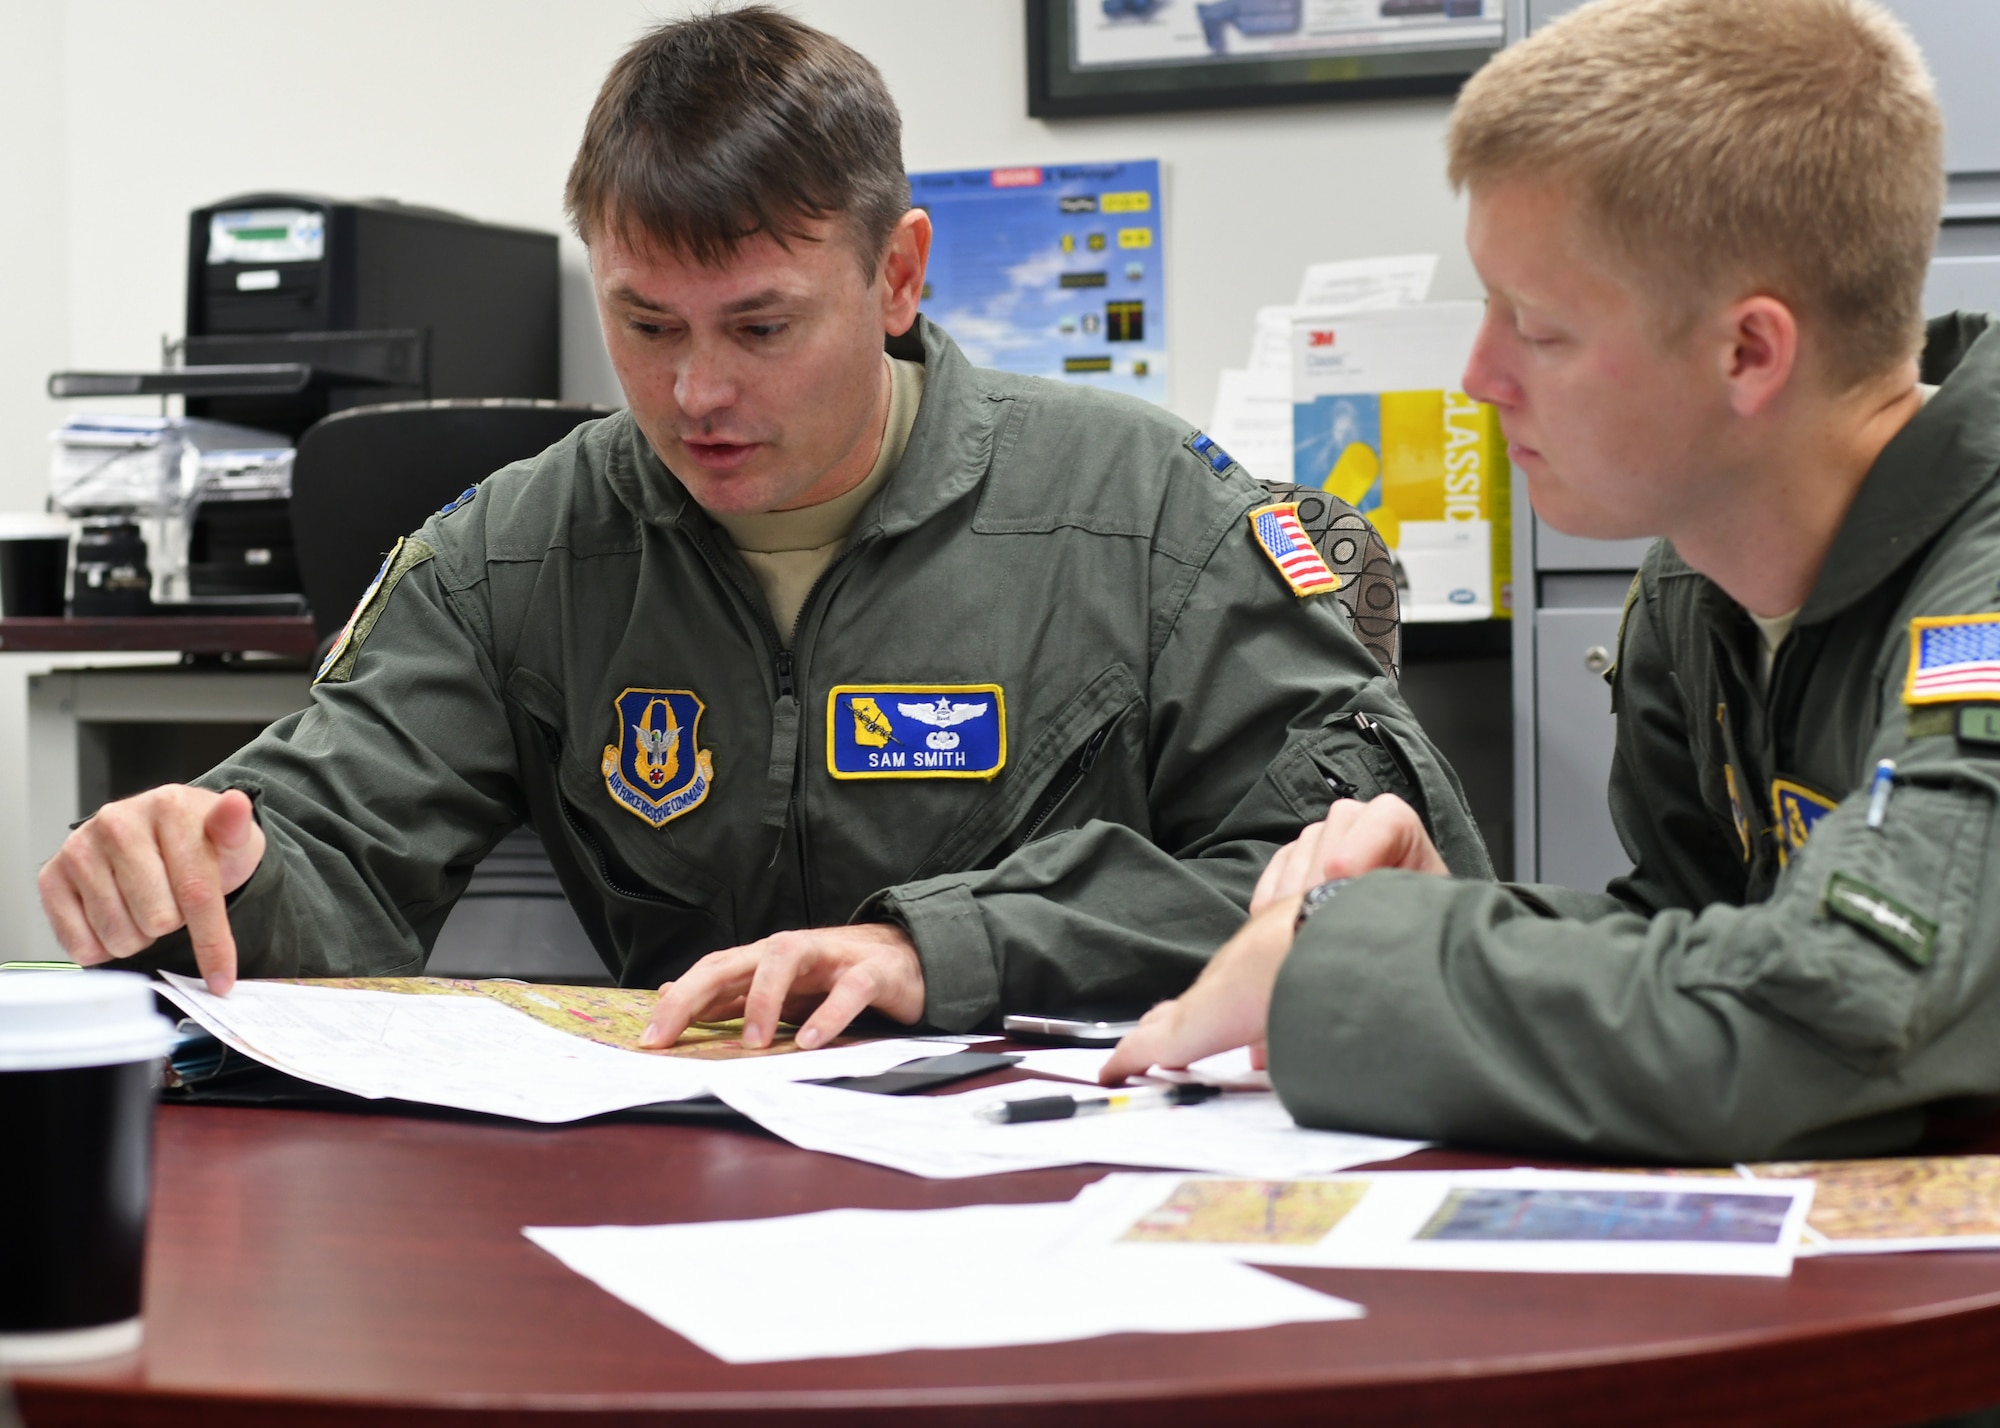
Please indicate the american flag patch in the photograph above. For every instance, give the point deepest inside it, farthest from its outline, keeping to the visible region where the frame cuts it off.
(1278, 530)
(1952, 658)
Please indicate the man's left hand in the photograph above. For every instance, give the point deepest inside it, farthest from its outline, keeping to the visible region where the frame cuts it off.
(1224, 1009)
(845, 970)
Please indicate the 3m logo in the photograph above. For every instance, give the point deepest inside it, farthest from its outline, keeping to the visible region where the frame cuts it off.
(1320, 339)
(1017, 178)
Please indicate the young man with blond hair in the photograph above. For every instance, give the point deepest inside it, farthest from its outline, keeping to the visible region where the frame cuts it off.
(1703, 227)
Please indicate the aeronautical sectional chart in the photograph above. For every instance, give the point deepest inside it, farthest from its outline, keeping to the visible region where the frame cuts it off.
(1052, 270)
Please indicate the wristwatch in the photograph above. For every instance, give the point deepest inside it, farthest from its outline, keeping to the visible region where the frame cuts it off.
(1316, 898)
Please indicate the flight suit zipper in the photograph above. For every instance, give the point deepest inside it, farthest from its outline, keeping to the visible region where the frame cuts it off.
(1060, 787)
(552, 740)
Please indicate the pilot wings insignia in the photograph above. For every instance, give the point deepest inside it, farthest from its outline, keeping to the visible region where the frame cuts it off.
(942, 714)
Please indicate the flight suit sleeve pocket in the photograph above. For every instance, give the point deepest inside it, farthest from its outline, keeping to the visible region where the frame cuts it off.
(1867, 945)
(1340, 760)
(1359, 756)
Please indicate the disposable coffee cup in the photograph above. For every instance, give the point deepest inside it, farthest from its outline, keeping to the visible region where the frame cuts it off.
(79, 1059)
(34, 565)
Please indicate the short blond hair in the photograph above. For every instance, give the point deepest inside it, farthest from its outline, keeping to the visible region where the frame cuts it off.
(1723, 147)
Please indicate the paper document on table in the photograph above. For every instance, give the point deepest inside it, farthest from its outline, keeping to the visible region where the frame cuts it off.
(731, 1286)
(475, 1053)
(940, 1138)
(1517, 1221)
(1892, 1205)
(1230, 1070)
(1353, 282)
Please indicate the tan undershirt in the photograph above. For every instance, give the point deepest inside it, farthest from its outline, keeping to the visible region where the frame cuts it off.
(1775, 629)
(788, 550)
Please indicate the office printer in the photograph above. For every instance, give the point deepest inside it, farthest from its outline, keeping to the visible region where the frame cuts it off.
(298, 306)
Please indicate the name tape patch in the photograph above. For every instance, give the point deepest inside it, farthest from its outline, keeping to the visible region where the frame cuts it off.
(916, 731)
(656, 771)
(1902, 929)
(1953, 658)
(1285, 541)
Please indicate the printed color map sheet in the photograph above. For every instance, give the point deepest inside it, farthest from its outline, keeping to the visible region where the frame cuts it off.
(1889, 1206)
(477, 1053)
(1506, 1220)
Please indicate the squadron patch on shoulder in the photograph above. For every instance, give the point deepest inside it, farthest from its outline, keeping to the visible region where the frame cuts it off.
(1953, 658)
(1796, 808)
(1204, 446)
(1283, 539)
(403, 557)
(656, 771)
(916, 731)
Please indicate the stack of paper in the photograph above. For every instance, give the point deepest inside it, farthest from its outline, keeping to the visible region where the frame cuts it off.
(477, 1054)
(941, 1137)
(1253, 403)
(748, 1307)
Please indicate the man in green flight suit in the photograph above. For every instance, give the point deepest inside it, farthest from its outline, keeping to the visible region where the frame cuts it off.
(1704, 229)
(829, 679)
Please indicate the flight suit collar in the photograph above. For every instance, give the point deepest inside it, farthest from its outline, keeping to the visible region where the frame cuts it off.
(948, 453)
(1939, 461)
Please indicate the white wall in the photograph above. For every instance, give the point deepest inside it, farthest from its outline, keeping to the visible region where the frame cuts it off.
(123, 115)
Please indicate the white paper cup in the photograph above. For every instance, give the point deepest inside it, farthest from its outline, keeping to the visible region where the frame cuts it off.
(79, 1057)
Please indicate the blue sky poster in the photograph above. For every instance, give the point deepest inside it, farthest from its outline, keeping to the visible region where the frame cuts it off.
(1052, 270)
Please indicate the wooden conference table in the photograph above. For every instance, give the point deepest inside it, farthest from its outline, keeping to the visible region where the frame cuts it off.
(312, 1268)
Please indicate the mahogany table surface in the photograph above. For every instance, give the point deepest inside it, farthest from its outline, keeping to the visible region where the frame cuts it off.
(310, 1267)
(185, 634)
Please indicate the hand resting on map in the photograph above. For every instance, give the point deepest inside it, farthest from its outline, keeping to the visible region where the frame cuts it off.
(836, 973)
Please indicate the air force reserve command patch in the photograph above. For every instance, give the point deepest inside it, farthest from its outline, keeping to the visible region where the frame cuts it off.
(916, 731)
(656, 771)
(1796, 809)
(1278, 531)
(1953, 658)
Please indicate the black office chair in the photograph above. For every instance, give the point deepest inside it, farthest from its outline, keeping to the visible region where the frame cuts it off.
(362, 478)
(1369, 585)
(367, 475)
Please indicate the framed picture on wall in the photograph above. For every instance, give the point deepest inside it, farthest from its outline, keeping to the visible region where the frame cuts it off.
(1089, 57)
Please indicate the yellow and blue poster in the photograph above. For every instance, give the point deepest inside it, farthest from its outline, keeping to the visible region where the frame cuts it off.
(1052, 270)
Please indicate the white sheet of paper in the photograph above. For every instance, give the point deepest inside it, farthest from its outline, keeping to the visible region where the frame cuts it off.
(1401, 279)
(475, 1054)
(735, 1287)
(1252, 420)
(1230, 1070)
(1541, 1222)
(940, 1138)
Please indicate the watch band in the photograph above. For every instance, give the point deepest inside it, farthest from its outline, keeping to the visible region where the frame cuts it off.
(1317, 897)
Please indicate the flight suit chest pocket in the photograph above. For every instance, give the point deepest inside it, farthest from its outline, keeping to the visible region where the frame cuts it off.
(1036, 787)
(1871, 937)
(571, 786)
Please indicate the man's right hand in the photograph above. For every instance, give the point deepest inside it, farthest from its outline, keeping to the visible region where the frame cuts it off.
(145, 866)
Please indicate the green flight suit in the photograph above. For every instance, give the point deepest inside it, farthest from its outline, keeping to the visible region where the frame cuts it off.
(1774, 978)
(1172, 713)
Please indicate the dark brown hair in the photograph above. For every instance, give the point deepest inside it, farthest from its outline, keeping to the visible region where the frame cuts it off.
(744, 121)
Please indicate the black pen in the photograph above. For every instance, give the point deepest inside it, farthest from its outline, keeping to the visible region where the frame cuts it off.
(1062, 1108)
